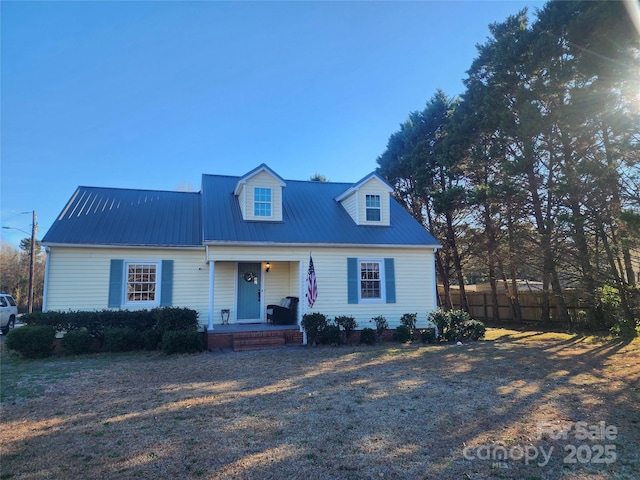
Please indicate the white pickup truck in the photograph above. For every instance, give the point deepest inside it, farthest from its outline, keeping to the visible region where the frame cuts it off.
(8, 313)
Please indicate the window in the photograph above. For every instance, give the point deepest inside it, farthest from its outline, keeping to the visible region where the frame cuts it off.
(373, 208)
(371, 280)
(262, 202)
(142, 282)
(370, 286)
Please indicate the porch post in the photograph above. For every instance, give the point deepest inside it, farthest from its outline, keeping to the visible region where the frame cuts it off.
(303, 300)
(212, 269)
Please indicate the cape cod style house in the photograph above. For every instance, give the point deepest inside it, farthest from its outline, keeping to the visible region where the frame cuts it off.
(238, 252)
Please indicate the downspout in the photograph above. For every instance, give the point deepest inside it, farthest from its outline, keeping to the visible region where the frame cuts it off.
(46, 279)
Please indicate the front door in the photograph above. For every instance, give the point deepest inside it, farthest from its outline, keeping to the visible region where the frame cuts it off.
(249, 292)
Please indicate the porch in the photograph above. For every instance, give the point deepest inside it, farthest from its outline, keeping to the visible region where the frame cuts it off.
(242, 337)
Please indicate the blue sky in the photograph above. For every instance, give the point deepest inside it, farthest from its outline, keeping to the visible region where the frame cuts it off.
(153, 94)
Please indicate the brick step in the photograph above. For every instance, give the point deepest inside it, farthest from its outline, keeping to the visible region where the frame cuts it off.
(245, 343)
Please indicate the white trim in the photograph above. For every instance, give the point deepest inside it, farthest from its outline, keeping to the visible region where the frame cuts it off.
(356, 186)
(212, 269)
(255, 216)
(122, 245)
(158, 282)
(45, 291)
(434, 306)
(303, 300)
(219, 243)
(383, 288)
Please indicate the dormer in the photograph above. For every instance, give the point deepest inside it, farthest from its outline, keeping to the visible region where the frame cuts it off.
(259, 195)
(368, 201)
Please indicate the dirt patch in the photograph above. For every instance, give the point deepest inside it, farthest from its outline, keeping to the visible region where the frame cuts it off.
(477, 411)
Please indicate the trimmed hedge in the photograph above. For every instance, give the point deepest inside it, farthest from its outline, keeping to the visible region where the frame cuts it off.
(77, 342)
(115, 330)
(32, 341)
(182, 341)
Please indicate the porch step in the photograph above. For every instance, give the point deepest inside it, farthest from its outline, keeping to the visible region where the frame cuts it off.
(244, 342)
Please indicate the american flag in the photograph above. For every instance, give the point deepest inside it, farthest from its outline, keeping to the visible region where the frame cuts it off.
(312, 286)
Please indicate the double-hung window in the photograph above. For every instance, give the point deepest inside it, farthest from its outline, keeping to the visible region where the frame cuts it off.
(370, 280)
(372, 203)
(142, 282)
(262, 202)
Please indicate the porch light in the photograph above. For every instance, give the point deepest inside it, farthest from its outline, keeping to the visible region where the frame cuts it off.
(267, 267)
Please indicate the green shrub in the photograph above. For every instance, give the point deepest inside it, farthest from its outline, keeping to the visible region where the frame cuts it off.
(32, 341)
(182, 341)
(381, 325)
(77, 342)
(368, 336)
(175, 319)
(330, 335)
(402, 334)
(122, 340)
(151, 339)
(473, 330)
(348, 324)
(455, 325)
(313, 324)
(409, 320)
(428, 335)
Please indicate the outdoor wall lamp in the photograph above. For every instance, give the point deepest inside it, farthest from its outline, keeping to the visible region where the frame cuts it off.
(267, 267)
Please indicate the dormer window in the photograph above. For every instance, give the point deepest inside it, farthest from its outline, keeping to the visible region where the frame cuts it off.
(262, 202)
(373, 208)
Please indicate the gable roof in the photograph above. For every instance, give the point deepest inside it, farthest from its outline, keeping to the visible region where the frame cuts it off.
(260, 168)
(310, 215)
(358, 184)
(116, 216)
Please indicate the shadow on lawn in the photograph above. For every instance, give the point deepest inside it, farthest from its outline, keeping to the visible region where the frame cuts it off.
(352, 413)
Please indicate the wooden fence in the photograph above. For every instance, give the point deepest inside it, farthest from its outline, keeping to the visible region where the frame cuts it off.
(481, 306)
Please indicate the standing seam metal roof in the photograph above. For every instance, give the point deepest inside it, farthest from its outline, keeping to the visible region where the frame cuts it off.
(311, 215)
(114, 216)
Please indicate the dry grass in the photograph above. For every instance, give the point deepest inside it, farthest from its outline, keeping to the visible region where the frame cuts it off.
(389, 412)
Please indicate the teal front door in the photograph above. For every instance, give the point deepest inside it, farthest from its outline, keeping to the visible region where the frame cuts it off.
(249, 292)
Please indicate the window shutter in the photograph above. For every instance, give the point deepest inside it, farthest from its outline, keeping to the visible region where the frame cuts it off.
(166, 284)
(115, 283)
(352, 280)
(390, 279)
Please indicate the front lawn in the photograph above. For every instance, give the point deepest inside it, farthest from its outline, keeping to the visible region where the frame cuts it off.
(477, 411)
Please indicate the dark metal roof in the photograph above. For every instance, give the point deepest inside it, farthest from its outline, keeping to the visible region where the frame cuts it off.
(114, 216)
(311, 215)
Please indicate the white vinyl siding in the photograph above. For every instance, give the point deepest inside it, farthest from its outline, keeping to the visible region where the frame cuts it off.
(369, 204)
(78, 278)
(413, 272)
(262, 181)
(368, 191)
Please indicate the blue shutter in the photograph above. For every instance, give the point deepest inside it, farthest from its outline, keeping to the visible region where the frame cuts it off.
(390, 279)
(352, 280)
(166, 284)
(115, 283)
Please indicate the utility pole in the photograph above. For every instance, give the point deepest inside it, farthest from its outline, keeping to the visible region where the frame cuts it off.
(32, 261)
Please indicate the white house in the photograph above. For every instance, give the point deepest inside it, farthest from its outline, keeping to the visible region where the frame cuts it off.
(240, 245)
